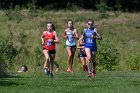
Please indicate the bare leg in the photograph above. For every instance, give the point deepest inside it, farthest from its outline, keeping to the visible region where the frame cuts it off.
(57, 66)
(45, 52)
(52, 57)
(94, 61)
(72, 56)
(88, 59)
(69, 56)
(82, 59)
(46, 63)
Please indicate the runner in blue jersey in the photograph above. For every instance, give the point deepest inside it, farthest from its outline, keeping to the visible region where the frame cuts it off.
(90, 35)
(71, 35)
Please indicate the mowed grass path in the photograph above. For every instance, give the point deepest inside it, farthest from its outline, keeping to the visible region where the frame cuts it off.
(78, 82)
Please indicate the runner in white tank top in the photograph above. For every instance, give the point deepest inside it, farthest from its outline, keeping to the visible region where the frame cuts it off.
(70, 41)
(71, 35)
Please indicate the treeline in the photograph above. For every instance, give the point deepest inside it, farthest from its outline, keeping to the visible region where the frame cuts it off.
(125, 5)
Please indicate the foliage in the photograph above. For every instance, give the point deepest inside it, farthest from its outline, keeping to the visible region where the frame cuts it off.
(102, 8)
(32, 7)
(118, 5)
(14, 14)
(108, 55)
(24, 49)
(22, 38)
(130, 5)
(71, 6)
(8, 53)
(2, 62)
(133, 62)
(38, 56)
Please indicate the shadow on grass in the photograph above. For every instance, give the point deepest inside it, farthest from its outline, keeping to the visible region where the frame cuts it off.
(10, 80)
(8, 83)
(9, 76)
(135, 83)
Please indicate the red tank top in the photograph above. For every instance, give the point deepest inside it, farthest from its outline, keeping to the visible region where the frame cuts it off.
(47, 44)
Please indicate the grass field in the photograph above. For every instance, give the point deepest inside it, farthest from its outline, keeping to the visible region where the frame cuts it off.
(78, 82)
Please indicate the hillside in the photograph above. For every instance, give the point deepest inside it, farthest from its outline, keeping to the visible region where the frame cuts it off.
(24, 27)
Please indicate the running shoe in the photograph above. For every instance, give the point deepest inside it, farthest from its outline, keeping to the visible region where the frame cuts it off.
(47, 71)
(69, 70)
(89, 74)
(51, 75)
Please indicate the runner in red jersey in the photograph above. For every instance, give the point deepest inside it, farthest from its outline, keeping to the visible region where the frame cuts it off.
(49, 38)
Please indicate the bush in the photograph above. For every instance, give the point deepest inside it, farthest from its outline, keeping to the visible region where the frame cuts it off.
(133, 62)
(14, 14)
(108, 56)
(71, 6)
(8, 53)
(2, 63)
(102, 8)
(39, 56)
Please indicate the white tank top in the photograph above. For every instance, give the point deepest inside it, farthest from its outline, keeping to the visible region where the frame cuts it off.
(70, 38)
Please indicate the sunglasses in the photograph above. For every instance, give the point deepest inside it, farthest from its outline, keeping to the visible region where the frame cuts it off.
(89, 23)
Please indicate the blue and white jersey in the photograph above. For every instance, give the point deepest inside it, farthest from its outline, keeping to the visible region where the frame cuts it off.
(89, 41)
(70, 38)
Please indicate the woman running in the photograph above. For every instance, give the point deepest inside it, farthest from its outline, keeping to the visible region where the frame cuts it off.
(82, 54)
(55, 63)
(90, 35)
(71, 35)
(49, 38)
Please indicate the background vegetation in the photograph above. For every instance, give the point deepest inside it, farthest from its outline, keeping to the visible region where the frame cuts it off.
(21, 25)
(125, 5)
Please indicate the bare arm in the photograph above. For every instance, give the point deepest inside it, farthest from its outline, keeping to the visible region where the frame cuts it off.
(83, 35)
(65, 36)
(42, 38)
(78, 44)
(98, 36)
(56, 38)
(76, 34)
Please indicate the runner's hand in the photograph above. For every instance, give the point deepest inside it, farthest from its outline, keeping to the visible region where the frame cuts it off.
(42, 43)
(51, 40)
(93, 36)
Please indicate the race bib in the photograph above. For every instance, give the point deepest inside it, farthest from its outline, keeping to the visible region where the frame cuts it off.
(48, 43)
(89, 40)
(70, 37)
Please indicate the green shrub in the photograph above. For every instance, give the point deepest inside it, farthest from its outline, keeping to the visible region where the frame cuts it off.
(22, 38)
(8, 53)
(23, 48)
(38, 56)
(102, 8)
(71, 6)
(14, 14)
(2, 63)
(108, 56)
(133, 62)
